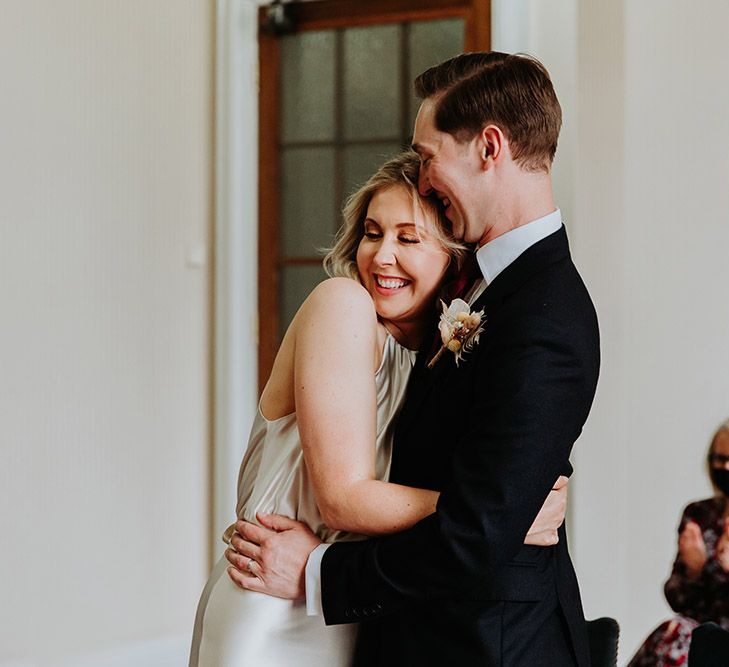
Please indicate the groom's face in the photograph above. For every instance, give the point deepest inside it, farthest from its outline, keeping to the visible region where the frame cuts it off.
(452, 171)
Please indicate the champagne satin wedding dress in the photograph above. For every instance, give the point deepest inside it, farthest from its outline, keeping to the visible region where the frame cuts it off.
(235, 628)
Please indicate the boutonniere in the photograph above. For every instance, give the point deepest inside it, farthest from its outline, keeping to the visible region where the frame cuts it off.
(459, 329)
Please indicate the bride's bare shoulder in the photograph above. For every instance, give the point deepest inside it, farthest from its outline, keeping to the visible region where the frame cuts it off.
(338, 298)
(340, 288)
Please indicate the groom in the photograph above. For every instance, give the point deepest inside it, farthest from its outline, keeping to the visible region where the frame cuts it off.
(494, 432)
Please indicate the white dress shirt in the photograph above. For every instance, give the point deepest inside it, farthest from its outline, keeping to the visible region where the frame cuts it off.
(492, 257)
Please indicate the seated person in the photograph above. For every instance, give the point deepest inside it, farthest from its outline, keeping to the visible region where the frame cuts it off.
(698, 588)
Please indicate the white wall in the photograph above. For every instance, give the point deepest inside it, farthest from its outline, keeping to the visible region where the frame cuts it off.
(105, 224)
(547, 29)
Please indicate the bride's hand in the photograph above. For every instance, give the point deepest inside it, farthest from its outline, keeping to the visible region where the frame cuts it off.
(543, 532)
(271, 559)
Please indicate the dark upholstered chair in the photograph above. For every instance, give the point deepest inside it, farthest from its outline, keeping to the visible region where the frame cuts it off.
(709, 646)
(602, 636)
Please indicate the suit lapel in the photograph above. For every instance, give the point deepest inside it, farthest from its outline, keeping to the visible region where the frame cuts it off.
(549, 250)
(533, 260)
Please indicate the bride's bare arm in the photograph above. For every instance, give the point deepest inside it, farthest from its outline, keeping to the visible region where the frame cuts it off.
(334, 365)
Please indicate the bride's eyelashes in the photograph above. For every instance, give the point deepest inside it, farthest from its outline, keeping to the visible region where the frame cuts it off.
(403, 238)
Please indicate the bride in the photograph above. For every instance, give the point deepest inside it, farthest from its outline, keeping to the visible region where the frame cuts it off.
(320, 445)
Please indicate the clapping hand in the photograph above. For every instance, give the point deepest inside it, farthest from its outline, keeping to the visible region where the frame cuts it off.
(722, 549)
(691, 549)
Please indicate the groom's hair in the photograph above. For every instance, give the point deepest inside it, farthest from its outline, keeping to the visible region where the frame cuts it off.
(513, 92)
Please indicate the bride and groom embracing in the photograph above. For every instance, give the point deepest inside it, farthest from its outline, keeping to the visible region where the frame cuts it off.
(466, 562)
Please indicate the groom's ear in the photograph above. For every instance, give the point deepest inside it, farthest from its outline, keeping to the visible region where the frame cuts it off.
(491, 146)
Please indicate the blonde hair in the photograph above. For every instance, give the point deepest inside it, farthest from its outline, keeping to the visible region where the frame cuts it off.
(402, 170)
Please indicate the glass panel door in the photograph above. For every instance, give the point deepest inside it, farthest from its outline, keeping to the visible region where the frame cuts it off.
(346, 107)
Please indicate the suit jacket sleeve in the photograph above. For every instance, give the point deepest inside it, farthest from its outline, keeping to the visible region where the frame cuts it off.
(528, 397)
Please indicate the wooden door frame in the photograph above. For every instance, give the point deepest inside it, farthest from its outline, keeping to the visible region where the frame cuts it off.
(322, 15)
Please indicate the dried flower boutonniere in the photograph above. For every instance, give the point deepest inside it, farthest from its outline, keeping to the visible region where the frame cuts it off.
(459, 329)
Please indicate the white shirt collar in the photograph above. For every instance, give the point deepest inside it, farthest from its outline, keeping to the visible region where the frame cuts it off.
(493, 257)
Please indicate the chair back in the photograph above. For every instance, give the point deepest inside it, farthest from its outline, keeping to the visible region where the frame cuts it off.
(602, 637)
(709, 646)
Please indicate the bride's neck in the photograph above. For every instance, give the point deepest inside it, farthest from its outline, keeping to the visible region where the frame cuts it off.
(409, 336)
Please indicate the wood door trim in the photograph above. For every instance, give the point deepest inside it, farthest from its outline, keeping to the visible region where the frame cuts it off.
(478, 27)
(328, 14)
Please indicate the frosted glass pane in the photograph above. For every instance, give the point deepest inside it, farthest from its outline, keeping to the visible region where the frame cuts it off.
(432, 42)
(360, 162)
(296, 284)
(308, 206)
(372, 82)
(307, 86)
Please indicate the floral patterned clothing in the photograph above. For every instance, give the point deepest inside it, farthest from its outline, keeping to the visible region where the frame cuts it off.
(696, 601)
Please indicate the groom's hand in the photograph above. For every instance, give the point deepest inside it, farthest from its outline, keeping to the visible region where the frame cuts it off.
(543, 532)
(271, 559)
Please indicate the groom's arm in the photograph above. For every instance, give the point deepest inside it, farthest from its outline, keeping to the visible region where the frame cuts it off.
(533, 393)
(295, 539)
(542, 533)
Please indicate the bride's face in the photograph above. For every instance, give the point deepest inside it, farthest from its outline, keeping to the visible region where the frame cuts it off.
(400, 261)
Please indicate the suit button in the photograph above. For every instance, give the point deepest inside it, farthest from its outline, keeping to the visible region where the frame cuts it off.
(355, 613)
